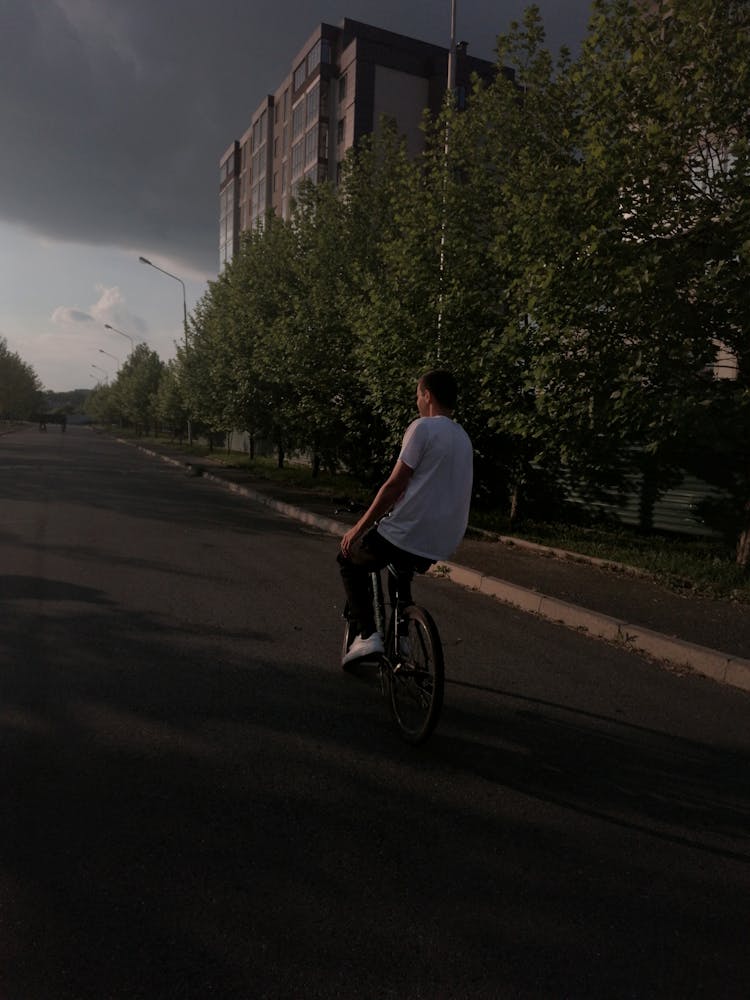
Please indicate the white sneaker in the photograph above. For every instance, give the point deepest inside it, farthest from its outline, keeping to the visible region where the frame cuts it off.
(361, 648)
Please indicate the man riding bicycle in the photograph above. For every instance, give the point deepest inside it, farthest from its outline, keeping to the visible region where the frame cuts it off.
(426, 498)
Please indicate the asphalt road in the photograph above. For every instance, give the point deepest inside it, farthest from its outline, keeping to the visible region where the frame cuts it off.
(197, 802)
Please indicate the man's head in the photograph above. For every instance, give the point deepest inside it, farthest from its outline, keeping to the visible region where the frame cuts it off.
(436, 393)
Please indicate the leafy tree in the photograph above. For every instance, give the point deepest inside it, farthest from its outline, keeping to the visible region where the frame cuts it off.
(170, 410)
(20, 388)
(265, 300)
(392, 277)
(511, 211)
(137, 386)
(102, 405)
(320, 340)
(665, 97)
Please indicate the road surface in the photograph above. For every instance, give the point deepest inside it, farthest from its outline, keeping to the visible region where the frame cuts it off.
(197, 802)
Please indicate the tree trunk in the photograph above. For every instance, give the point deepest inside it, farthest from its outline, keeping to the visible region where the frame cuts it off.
(743, 543)
(515, 502)
(316, 466)
(281, 455)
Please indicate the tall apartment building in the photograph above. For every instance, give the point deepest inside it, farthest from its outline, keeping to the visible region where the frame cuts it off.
(340, 84)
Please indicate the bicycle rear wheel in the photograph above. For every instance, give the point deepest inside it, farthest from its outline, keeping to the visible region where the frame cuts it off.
(417, 676)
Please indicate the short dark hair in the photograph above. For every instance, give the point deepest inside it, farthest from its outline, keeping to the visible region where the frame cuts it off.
(442, 385)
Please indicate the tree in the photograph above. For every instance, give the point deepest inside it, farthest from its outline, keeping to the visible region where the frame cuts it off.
(137, 386)
(102, 405)
(666, 99)
(320, 355)
(20, 388)
(170, 410)
(392, 287)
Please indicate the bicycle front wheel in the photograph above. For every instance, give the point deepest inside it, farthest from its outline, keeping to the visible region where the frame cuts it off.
(417, 676)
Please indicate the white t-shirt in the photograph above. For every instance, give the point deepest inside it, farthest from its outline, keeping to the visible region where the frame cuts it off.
(430, 518)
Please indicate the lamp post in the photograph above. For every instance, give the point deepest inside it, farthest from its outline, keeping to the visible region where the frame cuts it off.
(451, 97)
(115, 330)
(145, 260)
(452, 51)
(104, 373)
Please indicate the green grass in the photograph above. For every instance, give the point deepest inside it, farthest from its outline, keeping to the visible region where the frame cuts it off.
(294, 474)
(689, 565)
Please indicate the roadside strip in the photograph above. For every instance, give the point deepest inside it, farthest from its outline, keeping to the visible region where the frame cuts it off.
(731, 670)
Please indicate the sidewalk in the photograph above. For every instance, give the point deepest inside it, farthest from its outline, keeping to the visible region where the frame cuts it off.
(617, 604)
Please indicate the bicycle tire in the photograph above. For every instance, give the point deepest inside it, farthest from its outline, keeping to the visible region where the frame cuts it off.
(416, 682)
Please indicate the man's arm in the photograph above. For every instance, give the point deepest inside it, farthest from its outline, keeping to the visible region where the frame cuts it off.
(385, 498)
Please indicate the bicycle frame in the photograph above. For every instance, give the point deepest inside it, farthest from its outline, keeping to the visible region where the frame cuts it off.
(379, 606)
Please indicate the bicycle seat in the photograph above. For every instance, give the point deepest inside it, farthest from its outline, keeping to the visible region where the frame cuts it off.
(400, 572)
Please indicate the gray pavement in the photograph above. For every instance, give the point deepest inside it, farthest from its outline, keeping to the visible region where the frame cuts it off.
(606, 600)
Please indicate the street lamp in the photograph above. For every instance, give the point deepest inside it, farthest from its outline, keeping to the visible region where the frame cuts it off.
(104, 373)
(145, 260)
(116, 360)
(115, 330)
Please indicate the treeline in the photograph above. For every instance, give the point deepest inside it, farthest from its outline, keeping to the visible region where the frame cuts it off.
(145, 396)
(574, 245)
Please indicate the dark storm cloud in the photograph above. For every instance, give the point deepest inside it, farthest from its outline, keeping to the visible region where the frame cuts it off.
(113, 115)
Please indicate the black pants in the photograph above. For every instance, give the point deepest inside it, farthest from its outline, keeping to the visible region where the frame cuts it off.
(369, 553)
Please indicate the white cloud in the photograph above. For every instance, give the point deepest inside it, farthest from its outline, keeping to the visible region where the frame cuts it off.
(110, 307)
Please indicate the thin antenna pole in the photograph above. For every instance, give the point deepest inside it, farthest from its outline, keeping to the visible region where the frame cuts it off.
(450, 96)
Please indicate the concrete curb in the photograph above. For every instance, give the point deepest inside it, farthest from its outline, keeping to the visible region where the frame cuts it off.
(731, 670)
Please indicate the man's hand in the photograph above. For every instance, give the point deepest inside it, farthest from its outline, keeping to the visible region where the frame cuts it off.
(387, 495)
(346, 542)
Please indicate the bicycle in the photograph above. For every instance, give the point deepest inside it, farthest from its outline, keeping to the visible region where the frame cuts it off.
(411, 668)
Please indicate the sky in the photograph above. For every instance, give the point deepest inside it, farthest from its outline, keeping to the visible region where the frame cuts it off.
(113, 117)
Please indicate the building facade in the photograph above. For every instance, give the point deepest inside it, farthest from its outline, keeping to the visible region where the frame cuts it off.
(336, 90)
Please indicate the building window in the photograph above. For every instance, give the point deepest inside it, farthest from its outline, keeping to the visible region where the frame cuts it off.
(298, 158)
(313, 58)
(276, 147)
(298, 118)
(259, 165)
(275, 181)
(311, 146)
(341, 125)
(313, 104)
(286, 104)
(342, 87)
(300, 75)
(283, 178)
(260, 131)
